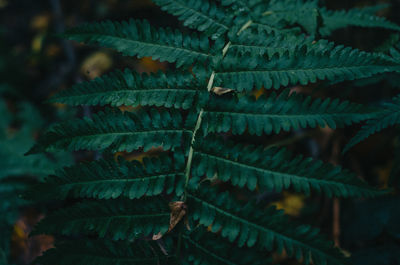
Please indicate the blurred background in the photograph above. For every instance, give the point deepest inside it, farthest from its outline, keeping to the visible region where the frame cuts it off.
(35, 64)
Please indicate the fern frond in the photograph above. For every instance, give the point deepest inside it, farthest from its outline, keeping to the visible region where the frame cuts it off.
(254, 42)
(106, 179)
(206, 248)
(283, 13)
(268, 229)
(243, 72)
(253, 9)
(116, 219)
(117, 131)
(173, 89)
(389, 116)
(203, 15)
(275, 169)
(361, 17)
(277, 113)
(138, 38)
(105, 252)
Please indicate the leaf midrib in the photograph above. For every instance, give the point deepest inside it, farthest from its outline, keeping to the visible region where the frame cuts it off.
(310, 69)
(126, 133)
(174, 48)
(95, 181)
(303, 115)
(121, 216)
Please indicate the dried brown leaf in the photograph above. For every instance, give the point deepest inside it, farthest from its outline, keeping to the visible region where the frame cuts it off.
(178, 211)
(221, 90)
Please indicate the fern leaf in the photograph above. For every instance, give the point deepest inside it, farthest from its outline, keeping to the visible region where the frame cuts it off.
(106, 179)
(203, 15)
(278, 113)
(117, 131)
(178, 90)
(253, 41)
(252, 8)
(389, 116)
(361, 17)
(243, 72)
(138, 38)
(283, 13)
(115, 219)
(273, 169)
(105, 252)
(268, 229)
(206, 248)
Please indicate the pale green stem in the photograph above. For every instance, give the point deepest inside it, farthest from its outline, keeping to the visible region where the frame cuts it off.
(201, 113)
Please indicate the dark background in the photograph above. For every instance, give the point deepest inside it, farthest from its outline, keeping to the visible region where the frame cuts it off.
(38, 64)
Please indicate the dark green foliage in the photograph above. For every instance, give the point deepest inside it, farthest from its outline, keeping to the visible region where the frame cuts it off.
(190, 114)
(273, 168)
(116, 219)
(293, 12)
(280, 113)
(206, 248)
(361, 17)
(138, 38)
(306, 65)
(117, 131)
(280, 14)
(178, 90)
(253, 42)
(83, 252)
(250, 226)
(388, 116)
(19, 173)
(106, 179)
(203, 15)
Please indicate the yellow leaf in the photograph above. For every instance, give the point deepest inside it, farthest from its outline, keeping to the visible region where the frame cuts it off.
(3, 3)
(37, 43)
(291, 203)
(148, 65)
(40, 22)
(96, 64)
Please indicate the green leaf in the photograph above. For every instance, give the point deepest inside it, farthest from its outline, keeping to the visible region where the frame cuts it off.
(244, 72)
(138, 38)
(278, 113)
(248, 225)
(107, 179)
(361, 17)
(273, 168)
(287, 13)
(259, 42)
(202, 15)
(388, 116)
(171, 89)
(116, 219)
(251, 9)
(118, 132)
